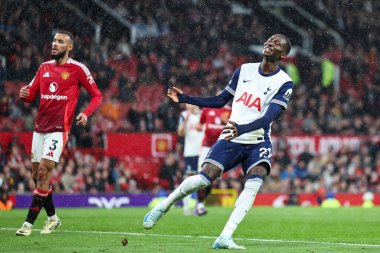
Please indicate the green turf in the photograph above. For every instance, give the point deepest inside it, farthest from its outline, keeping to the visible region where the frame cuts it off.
(290, 229)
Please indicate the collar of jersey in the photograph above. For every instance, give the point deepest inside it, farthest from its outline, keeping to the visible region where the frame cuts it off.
(270, 74)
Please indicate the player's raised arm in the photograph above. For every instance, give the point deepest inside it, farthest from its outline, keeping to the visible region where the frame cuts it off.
(218, 101)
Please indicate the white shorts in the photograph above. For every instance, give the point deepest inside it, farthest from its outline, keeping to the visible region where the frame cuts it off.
(48, 146)
(202, 156)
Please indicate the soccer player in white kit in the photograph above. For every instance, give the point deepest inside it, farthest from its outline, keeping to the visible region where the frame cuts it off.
(187, 128)
(260, 91)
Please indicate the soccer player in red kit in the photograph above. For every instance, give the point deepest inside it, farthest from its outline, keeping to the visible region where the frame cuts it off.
(57, 83)
(212, 120)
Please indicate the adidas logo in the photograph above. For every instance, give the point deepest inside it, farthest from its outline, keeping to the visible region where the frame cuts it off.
(46, 74)
(50, 154)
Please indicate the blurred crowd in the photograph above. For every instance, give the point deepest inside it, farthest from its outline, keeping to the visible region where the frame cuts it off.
(87, 172)
(194, 45)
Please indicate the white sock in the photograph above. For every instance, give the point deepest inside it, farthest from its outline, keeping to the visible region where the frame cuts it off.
(242, 205)
(187, 187)
(186, 205)
(27, 224)
(54, 217)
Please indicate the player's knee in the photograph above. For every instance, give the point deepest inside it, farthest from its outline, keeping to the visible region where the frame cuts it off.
(261, 170)
(42, 172)
(211, 170)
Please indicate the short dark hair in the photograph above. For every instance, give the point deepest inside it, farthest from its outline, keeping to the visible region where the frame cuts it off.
(288, 44)
(67, 33)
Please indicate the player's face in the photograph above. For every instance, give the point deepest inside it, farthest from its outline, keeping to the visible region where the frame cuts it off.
(61, 46)
(274, 48)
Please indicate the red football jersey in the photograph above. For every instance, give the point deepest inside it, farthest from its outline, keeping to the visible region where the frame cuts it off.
(214, 120)
(59, 87)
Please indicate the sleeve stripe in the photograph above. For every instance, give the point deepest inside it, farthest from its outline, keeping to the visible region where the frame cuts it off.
(85, 69)
(230, 90)
(283, 104)
(31, 82)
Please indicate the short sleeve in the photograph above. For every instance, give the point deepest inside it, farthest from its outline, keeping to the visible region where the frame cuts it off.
(231, 86)
(283, 95)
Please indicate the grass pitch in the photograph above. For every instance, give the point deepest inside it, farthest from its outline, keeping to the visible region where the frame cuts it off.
(289, 229)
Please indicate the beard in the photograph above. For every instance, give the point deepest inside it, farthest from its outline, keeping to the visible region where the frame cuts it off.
(272, 58)
(58, 56)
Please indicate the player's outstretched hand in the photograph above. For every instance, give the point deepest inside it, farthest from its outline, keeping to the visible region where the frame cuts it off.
(81, 119)
(173, 93)
(230, 130)
(24, 92)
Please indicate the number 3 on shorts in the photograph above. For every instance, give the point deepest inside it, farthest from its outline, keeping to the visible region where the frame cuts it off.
(48, 145)
(53, 145)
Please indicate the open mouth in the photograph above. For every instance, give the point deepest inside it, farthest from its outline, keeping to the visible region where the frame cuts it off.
(54, 50)
(268, 49)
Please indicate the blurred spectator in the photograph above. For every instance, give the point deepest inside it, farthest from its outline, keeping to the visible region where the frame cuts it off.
(68, 179)
(149, 118)
(168, 172)
(5, 203)
(3, 158)
(330, 201)
(133, 116)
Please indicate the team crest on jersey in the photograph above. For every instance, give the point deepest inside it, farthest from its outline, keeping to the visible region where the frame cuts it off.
(65, 75)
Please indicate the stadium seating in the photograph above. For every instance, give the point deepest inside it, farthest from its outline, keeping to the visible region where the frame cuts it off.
(199, 56)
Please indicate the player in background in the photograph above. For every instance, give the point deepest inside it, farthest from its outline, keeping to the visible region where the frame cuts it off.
(211, 122)
(187, 128)
(57, 83)
(260, 91)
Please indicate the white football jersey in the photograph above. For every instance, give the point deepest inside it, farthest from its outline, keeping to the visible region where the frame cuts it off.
(193, 137)
(253, 91)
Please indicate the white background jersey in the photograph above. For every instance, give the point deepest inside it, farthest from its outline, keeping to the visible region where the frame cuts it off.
(253, 91)
(193, 137)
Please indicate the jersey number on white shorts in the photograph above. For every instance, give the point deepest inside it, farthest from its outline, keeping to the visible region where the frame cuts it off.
(54, 145)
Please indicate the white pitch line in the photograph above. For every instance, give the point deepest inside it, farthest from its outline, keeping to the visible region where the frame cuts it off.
(211, 237)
